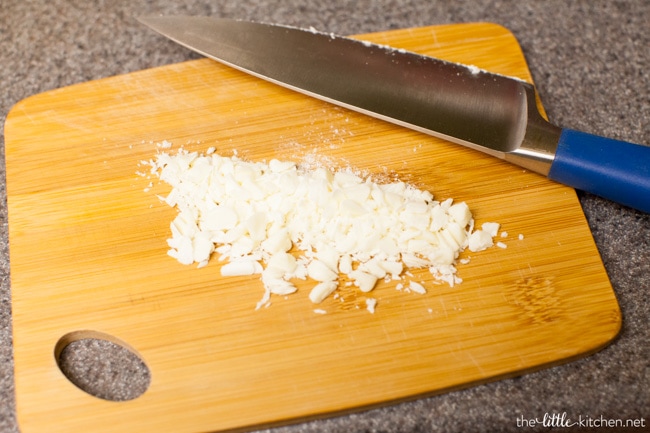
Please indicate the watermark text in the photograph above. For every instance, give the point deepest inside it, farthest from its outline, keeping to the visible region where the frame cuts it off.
(560, 420)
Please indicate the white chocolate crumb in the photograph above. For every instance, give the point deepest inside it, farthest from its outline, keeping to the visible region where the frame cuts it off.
(417, 288)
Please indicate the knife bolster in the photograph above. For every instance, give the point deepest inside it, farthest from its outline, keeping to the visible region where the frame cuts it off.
(537, 150)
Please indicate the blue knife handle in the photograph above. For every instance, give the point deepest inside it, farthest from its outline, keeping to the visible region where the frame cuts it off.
(616, 170)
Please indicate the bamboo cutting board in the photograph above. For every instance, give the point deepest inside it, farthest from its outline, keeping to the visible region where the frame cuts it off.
(88, 257)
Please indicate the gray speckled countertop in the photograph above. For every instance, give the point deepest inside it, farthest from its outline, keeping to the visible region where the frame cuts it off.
(589, 60)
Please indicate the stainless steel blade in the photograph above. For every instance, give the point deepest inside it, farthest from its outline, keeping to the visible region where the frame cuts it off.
(462, 104)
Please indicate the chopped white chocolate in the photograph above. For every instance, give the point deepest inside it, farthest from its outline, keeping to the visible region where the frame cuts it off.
(460, 213)
(285, 222)
(319, 271)
(417, 288)
(371, 303)
(241, 267)
(491, 228)
(321, 291)
(363, 280)
(480, 240)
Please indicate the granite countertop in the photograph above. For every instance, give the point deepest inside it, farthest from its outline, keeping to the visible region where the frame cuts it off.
(589, 60)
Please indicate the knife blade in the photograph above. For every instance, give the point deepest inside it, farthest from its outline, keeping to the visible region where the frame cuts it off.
(463, 104)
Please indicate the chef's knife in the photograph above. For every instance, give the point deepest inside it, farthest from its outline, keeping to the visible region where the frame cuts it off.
(463, 104)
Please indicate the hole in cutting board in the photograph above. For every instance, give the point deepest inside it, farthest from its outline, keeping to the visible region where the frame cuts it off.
(102, 365)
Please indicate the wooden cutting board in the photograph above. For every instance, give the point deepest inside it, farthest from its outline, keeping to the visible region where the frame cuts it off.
(88, 257)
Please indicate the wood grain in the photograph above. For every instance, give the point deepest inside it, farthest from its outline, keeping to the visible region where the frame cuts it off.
(88, 257)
